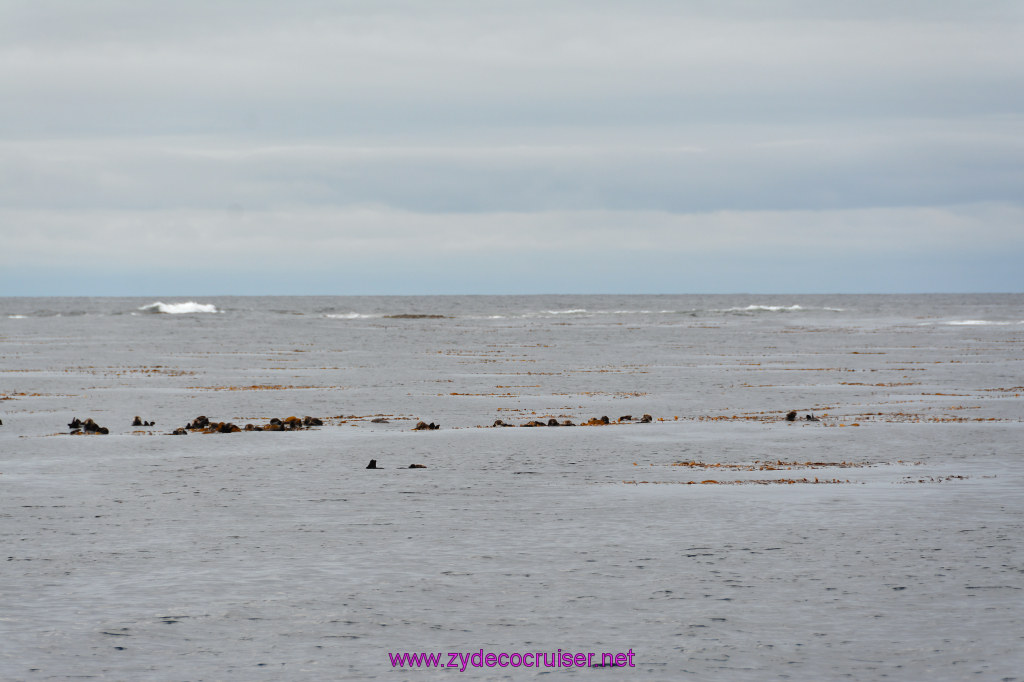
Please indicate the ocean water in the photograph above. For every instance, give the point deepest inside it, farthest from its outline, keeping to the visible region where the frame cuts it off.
(717, 542)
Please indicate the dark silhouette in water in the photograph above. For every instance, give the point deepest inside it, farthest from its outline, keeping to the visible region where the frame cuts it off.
(372, 464)
(791, 416)
(87, 426)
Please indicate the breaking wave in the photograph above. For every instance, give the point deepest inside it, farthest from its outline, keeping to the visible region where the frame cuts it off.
(568, 313)
(352, 316)
(774, 309)
(179, 308)
(761, 308)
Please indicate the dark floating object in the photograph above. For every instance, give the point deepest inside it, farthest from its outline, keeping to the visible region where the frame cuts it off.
(415, 316)
(601, 421)
(811, 418)
(206, 426)
(535, 423)
(202, 423)
(791, 416)
(87, 426)
(372, 464)
(417, 466)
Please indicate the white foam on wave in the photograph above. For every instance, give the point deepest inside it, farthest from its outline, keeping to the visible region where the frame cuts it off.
(17, 317)
(765, 308)
(352, 316)
(179, 308)
(979, 323)
(547, 313)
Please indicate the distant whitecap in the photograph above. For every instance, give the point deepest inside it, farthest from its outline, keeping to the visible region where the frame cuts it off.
(179, 308)
(351, 316)
(979, 323)
(764, 308)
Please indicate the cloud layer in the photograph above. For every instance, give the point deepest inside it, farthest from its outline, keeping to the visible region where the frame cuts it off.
(811, 141)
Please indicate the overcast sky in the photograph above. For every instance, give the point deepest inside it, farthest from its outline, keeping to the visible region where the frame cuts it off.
(477, 146)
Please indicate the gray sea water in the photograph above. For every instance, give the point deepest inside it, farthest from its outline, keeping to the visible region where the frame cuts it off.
(717, 542)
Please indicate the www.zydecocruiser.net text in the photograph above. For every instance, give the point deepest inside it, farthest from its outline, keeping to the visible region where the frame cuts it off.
(530, 659)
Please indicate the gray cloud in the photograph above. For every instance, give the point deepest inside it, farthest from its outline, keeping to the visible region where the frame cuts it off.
(365, 125)
(756, 169)
(324, 71)
(324, 236)
(385, 251)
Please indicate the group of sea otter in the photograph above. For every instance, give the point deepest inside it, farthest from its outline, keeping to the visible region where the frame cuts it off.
(87, 426)
(78, 426)
(594, 421)
(204, 425)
